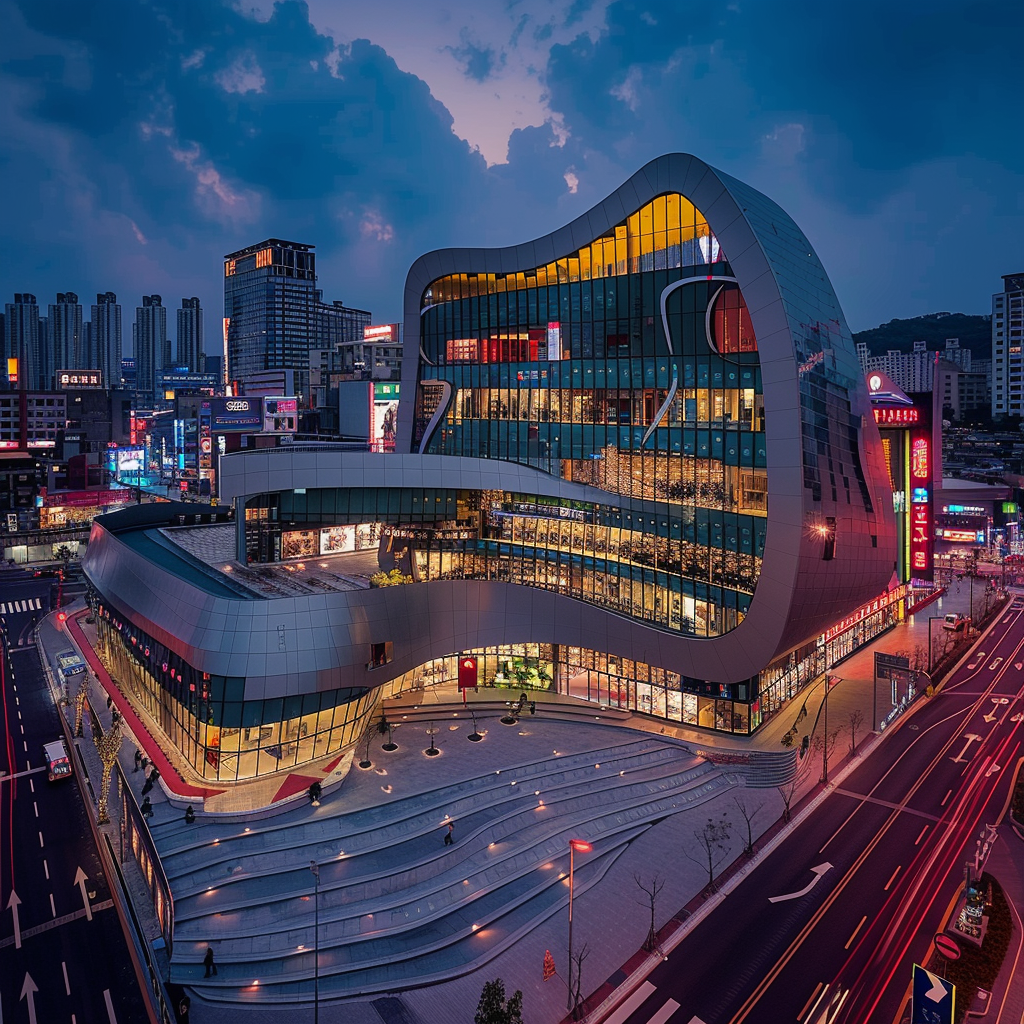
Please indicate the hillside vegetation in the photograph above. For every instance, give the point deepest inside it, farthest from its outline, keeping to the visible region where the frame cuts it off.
(974, 332)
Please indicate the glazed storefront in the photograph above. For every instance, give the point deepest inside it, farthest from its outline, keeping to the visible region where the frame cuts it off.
(611, 681)
(206, 718)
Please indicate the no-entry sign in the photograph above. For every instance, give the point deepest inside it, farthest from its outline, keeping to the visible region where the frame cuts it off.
(947, 946)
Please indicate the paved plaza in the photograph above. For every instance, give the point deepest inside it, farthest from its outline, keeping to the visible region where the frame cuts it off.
(408, 924)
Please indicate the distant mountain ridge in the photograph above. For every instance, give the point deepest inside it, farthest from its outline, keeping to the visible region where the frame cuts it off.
(974, 332)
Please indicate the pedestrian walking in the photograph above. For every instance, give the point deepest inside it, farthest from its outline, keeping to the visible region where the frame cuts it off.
(150, 781)
(146, 808)
(138, 760)
(211, 967)
(449, 836)
(190, 815)
(315, 792)
(144, 763)
(110, 700)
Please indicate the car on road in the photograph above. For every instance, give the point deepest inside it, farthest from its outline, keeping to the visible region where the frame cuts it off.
(955, 622)
(58, 763)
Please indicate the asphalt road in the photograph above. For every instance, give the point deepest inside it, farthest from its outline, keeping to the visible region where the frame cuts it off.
(868, 877)
(63, 954)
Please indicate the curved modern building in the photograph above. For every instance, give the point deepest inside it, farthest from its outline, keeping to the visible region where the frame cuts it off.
(636, 463)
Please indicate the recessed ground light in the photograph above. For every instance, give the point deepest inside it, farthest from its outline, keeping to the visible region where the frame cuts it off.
(536, 792)
(597, 766)
(246, 830)
(300, 947)
(475, 927)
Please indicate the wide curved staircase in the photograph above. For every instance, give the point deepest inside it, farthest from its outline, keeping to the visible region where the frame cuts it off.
(398, 908)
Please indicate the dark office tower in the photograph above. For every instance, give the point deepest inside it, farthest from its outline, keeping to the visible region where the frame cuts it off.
(152, 346)
(190, 335)
(21, 342)
(271, 310)
(65, 348)
(105, 340)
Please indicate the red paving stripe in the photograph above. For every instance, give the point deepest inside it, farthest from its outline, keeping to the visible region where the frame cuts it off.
(168, 774)
(332, 765)
(292, 785)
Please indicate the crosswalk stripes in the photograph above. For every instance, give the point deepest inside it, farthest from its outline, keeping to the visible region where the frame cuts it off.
(34, 604)
(630, 1005)
(665, 1012)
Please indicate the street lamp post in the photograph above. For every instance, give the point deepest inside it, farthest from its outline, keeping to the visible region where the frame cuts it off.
(315, 868)
(824, 743)
(584, 847)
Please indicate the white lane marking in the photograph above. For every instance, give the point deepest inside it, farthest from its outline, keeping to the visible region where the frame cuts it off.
(893, 879)
(23, 743)
(53, 909)
(40, 840)
(31, 786)
(67, 984)
(817, 871)
(627, 1008)
(35, 807)
(110, 1006)
(921, 836)
(664, 1013)
(46, 868)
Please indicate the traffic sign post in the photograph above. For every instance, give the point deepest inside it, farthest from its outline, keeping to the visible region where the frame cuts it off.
(934, 998)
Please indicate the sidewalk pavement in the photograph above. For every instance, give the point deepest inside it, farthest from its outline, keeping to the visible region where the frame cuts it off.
(609, 910)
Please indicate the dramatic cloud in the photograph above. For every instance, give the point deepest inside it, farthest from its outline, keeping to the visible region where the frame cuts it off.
(145, 139)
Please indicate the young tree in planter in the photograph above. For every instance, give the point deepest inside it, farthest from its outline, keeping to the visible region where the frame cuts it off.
(493, 1008)
(712, 841)
(576, 995)
(748, 814)
(650, 890)
(384, 728)
(855, 720)
(787, 792)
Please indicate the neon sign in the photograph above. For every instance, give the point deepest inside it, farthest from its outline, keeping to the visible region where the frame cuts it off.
(919, 461)
(896, 416)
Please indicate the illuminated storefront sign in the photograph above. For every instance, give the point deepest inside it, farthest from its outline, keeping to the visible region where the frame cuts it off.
(896, 417)
(919, 461)
(885, 601)
(963, 536)
(79, 378)
(971, 510)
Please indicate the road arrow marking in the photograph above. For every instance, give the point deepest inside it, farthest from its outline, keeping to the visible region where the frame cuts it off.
(1018, 665)
(80, 877)
(28, 991)
(995, 768)
(1019, 717)
(938, 991)
(969, 738)
(817, 871)
(12, 905)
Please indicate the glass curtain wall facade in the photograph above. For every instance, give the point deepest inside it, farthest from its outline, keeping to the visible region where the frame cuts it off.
(630, 365)
(270, 309)
(220, 734)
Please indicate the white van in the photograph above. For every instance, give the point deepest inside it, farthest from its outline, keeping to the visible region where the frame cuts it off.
(58, 763)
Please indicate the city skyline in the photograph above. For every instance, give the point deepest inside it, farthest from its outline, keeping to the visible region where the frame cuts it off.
(377, 138)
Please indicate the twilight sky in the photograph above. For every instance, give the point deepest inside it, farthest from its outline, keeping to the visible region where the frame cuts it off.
(144, 140)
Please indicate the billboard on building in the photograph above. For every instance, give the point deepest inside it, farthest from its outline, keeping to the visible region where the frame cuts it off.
(383, 417)
(130, 461)
(79, 379)
(234, 414)
(280, 415)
